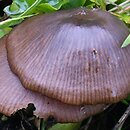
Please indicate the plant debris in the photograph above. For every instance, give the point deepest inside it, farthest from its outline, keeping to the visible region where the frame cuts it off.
(22, 119)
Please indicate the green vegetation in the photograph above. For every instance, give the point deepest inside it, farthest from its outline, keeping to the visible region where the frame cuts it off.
(21, 9)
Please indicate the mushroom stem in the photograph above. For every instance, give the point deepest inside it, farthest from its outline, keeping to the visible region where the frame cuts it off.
(121, 121)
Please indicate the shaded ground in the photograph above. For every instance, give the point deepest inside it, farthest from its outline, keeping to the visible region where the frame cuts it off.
(108, 119)
(24, 119)
(3, 4)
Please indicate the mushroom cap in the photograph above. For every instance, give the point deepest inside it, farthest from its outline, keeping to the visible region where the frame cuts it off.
(14, 96)
(74, 56)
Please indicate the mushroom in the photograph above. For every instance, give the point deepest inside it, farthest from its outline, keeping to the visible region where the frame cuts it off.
(14, 96)
(71, 59)
(73, 56)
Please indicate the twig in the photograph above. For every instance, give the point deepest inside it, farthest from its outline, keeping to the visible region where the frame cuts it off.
(120, 123)
(88, 123)
(86, 126)
(120, 5)
(124, 10)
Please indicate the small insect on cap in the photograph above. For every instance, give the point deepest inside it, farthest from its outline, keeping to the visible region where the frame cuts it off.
(73, 56)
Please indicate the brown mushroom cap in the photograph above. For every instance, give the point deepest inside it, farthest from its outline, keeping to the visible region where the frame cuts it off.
(74, 56)
(14, 96)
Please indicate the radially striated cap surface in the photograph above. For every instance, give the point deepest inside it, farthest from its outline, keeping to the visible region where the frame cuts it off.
(74, 56)
(14, 96)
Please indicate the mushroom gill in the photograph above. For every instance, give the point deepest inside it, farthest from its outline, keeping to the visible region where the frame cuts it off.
(14, 96)
(73, 56)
